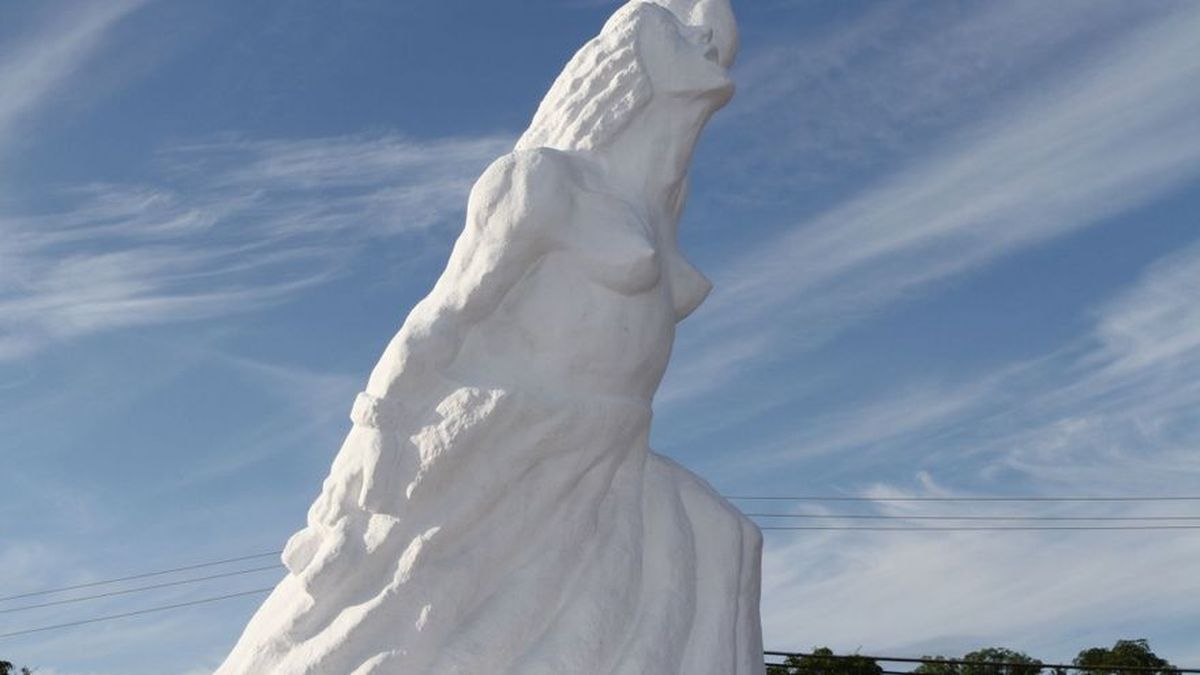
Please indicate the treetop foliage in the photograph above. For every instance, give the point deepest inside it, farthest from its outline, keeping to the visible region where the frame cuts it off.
(823, 662)
(1128, 653)
(997, 661)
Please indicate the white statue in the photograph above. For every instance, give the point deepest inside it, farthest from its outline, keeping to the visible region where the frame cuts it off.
(495, 507)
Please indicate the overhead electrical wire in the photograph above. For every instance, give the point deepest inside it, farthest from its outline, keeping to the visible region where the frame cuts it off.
(126, 591)
(223, 561)
(816, 498)
(980, 528)
(998, 664)
(921, 517)
(148, 610)
(1137, 523)
(132, 577)
(858, 516)
(792, 667)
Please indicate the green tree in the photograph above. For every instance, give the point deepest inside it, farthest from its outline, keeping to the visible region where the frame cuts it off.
(6, 668)
(1015, 663)
(824, 662)
(932, 667)
(1128, 653)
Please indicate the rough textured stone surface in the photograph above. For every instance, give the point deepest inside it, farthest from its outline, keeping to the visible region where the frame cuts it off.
(495, 507)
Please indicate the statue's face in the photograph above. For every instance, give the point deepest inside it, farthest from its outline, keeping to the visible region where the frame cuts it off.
(679, 59)
(715, 14)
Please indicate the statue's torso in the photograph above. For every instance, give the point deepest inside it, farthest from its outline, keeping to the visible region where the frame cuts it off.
(578, 296)
(561, 332)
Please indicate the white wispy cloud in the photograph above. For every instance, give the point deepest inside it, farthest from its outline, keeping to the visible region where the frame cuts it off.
(312, 405)
(876, 424)
(867, 91)
(228, 225)
(1113, 414)
(1123, 414)
(1092, 142)
(916, 593)
(296, 411)
(34, 70)
(360, 185)
(235, 224)
(1155, 324)
(1049, 125)
(171, 637)
(1112, 409)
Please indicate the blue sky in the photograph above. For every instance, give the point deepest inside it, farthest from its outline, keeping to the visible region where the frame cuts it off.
(955, 246)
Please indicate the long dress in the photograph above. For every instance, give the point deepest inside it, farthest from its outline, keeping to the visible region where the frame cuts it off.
(496, 508)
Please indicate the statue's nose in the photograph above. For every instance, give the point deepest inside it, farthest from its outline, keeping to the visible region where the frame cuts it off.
(700, 34)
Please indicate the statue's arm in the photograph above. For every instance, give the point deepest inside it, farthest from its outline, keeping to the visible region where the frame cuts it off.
(511, 217)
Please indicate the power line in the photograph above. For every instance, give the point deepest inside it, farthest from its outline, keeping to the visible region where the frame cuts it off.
(815, 498)
(888, 528)
(138, 589)
(885, 659)
(214, 563)
(793, 667)
(988, 528)
(149, 610)
(781, 664)
(145, 575)
(856, 516)
(998, 664)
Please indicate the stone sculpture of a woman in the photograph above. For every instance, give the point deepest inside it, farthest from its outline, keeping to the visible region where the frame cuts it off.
(495, 507)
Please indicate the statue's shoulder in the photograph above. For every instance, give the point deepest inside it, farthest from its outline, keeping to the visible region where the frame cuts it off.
(540, 170)
(522, 182)
(543, 159)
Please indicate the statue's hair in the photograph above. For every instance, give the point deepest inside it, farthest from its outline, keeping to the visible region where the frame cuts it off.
(598, 91)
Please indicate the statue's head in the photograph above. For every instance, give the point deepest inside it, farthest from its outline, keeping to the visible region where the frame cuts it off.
(644, 52)
(716, 15)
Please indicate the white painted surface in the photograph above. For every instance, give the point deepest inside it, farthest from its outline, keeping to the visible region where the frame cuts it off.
(495, 507)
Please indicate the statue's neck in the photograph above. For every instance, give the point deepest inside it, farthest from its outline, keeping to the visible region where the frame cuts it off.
(649, 159)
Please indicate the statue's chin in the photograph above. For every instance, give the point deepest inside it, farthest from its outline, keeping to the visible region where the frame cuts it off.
(715, 95)
(725, 91)
(715, 81)
(714, 87)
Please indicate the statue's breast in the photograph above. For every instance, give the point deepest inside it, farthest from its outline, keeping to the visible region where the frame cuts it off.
(613, 241)
(561, 330)
(564, 203)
